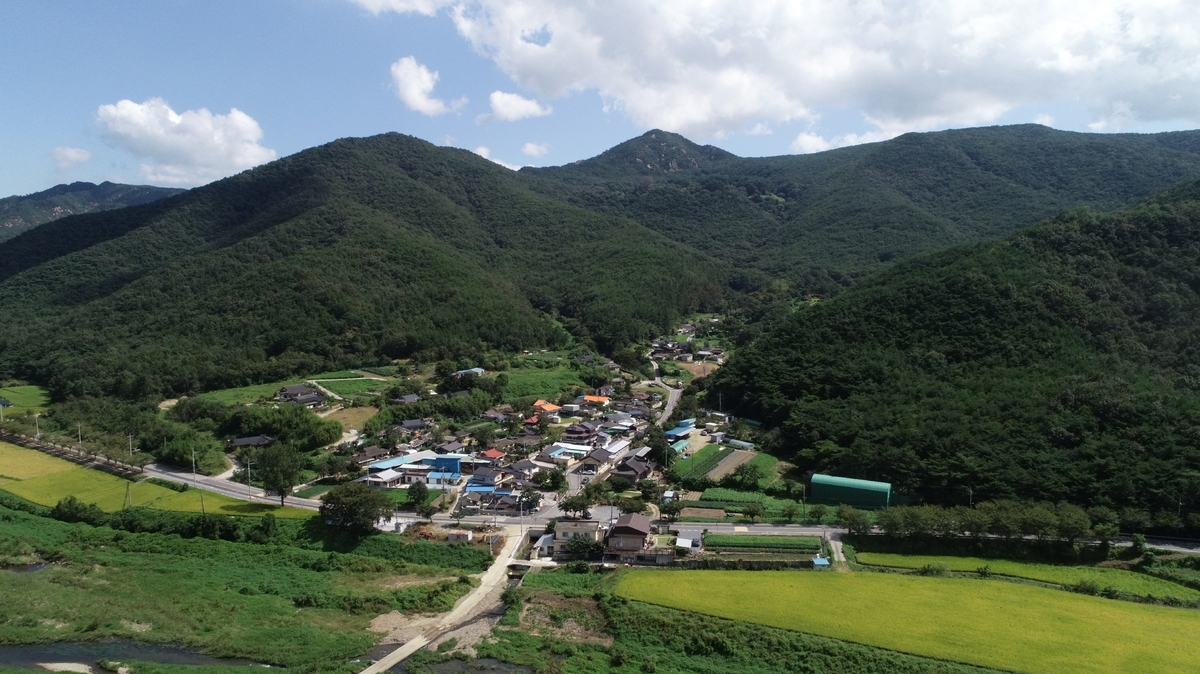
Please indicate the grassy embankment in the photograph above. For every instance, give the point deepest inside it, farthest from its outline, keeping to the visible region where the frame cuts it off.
(46, 480)
(1003, 625)
(1120, 579)
(276, 604)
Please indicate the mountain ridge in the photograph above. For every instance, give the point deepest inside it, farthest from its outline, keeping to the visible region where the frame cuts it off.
(20, 213)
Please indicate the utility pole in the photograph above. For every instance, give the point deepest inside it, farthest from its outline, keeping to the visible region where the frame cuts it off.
(249, 486)
(37, 427)
(971, 496)
(196, 482)
(79, 429)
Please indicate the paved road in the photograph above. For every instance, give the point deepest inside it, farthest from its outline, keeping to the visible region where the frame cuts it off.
(673, 396)
(225, 487)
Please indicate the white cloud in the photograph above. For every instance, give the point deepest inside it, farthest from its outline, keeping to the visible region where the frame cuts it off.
(718, 67)
(508, 107)
(1044, 120)
(414, 85)
(809, 142)
(484, 152)
(188, 148)
(426, 7)
(535, 149)
(66, 158)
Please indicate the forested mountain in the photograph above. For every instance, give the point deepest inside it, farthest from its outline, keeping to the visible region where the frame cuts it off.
(352, 252)
(21, 213)
(822, 220)
(1059, 362)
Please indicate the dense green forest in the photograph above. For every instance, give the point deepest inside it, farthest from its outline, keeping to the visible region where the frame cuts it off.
(366, 250)
(21, 213)
(1056, 363)
(821, 221)
(359, 251)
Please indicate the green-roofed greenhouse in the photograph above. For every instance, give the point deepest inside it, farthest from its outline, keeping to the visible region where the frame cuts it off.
(847, 490)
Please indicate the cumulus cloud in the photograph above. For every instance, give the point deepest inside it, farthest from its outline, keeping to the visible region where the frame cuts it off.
(719, 67)
(484, 152)
(414, 85)
(426, 7)
(808, 142)
(508, 107)
(535, 149)
(188, 148)
(66, 158)
(1044, 120)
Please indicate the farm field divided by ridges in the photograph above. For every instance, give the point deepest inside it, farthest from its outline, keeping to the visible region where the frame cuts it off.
(994, 624)
(1128, 581)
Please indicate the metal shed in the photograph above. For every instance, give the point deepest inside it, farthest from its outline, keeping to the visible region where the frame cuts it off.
(859, 493)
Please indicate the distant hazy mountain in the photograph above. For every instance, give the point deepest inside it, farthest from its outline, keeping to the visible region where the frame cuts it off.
(822, 220)
(22, 213)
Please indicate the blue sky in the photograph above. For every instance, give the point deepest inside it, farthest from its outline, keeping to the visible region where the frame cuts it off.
(142, 91)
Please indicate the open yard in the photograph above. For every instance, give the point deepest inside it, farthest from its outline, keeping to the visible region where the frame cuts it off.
(51, 479)
(1129, 581)
(1003, 625)
(23, 398)
(353, 418)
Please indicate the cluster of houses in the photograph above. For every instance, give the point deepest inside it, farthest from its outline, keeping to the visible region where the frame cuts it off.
(300, 394)
(492, 479)
(666, 349)
(629, 539)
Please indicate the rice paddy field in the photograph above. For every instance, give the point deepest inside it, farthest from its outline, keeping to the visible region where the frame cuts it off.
(532, 381)
(18, 463)
(46, 480)
(1128, 581)
(1007, 626)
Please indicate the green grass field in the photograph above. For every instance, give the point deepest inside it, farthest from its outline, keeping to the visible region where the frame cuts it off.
(356, 386)
(340, 374)
(1002, 625)
(536, 382)
(247, 394)
(25, 398)
(400, 496)
(1129, 581)
(18, 463)
(767, 463)
(51, 479)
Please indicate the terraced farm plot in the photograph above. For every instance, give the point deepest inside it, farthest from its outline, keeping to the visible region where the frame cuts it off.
(702, 461)
(1002, 625)
(18, 463)
(747, 543)
(1128, 581)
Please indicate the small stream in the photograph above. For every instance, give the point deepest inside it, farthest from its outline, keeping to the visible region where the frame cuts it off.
(88, 652)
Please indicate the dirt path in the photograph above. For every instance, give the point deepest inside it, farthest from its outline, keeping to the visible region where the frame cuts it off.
(466, 608)
(730, 463)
